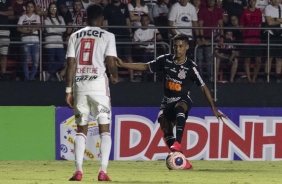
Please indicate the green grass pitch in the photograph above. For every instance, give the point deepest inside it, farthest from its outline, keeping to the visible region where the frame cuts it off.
(143, 172)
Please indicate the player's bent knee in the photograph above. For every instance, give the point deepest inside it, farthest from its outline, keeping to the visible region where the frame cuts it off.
(81, 119)
(179, 109)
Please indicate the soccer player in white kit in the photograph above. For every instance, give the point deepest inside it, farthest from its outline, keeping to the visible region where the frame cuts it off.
(89, 51)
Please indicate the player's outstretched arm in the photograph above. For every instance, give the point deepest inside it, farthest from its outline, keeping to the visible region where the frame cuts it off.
(207, 93)
(132, 66)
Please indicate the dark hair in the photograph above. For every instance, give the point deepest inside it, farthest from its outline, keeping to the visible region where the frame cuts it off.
(133, 2)
(228, 30)
(229, 17)
(94, 11)
(144, 15)
(159, 3)
(182, 37)
(49, 14)
(76, 1)
(31, 2)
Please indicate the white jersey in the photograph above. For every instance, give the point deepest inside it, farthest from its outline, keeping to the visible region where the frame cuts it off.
(183, 16)
(32, 20)
(137, 11)
(141, 35)
(54, 34)
(161, 10)
(270, 11)
(90, 46)
(261, 4)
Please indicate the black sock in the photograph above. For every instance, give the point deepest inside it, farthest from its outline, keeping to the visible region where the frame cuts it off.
(180, 123)
(169, 139)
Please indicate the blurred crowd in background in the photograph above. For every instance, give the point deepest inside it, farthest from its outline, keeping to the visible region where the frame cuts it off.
(34, 36)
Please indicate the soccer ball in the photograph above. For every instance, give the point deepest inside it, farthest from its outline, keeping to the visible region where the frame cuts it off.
(175, 161)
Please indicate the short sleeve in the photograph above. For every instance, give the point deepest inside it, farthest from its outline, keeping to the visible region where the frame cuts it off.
(172, 13)
(111, 47)
(135, 37)
(38, 20)
(196, 77)
(130, 7)
(267, 11)
(194, 15)
(20, 21)
(146, 9)
(71, 45)
(157, 65)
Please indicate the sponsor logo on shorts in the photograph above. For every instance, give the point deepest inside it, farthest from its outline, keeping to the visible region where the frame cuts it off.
(104, 111)
(172, 99)
(85, 78)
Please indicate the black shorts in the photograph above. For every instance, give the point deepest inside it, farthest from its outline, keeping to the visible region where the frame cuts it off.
(168, 105)
(253, 51)
(275, 51)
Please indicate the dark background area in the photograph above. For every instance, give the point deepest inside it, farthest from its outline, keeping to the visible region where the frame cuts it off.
(146, 94)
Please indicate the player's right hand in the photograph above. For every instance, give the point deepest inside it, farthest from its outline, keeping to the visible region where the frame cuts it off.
(119, 62)
(70, 100)
(114, 80)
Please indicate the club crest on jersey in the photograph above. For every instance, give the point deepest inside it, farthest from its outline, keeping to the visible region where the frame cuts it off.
(182, 74)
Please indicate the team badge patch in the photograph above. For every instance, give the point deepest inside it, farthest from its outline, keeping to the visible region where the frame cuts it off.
(182, 74)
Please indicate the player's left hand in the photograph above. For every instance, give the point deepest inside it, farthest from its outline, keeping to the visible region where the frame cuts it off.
(70, 100)
(219, 115)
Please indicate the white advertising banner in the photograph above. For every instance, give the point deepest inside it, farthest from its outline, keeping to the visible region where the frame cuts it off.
(68, 130)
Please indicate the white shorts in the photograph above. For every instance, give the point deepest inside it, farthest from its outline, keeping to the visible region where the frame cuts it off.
(4, 41)
(97, 105)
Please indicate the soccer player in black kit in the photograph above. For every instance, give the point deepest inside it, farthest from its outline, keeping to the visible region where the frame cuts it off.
(179, 73)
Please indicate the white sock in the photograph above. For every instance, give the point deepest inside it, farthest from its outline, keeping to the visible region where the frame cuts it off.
(106, 143)
(79, 148)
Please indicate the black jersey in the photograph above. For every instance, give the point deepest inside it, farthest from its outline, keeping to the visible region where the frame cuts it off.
(116, 16)
(4, 6)
(178, 78)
